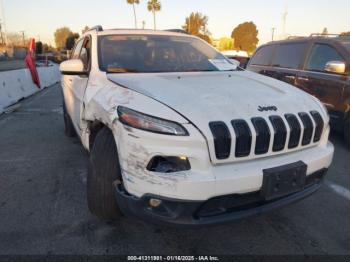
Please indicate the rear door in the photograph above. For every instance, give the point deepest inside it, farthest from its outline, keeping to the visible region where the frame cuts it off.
(279, 61)
(328, 87)
(288, 59)
(261, 60)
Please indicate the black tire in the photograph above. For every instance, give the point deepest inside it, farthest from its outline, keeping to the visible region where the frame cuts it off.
(68, 124)
(103, 172)
(347, 131)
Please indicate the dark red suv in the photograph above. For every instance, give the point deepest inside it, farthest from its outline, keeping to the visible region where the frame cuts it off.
(319, 65)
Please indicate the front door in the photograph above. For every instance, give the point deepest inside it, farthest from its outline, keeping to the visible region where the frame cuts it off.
(75, 85)
(328, 87)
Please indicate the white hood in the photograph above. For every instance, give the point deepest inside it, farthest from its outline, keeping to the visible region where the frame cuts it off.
(218, 96)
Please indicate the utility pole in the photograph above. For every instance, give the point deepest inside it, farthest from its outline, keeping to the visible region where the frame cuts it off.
(284, 22)
(3, 27)
(143, 25)
(273, 33)
(1, 35)
(23, 38)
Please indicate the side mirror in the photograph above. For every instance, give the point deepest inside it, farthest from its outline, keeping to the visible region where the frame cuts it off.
(337, 67)
(72, 67)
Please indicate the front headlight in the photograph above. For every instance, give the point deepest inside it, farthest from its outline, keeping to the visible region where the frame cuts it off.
(150, 123)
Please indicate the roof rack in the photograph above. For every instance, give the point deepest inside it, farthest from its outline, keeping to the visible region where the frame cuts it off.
(312, 35)
(181, 31)
(295, 37)
(323, 35)
(97, 28)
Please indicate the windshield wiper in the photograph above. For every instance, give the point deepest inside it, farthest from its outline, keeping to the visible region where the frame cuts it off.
(117, 70)
(199, 70)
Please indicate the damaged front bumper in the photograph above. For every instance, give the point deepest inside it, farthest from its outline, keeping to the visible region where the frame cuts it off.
(218, 210)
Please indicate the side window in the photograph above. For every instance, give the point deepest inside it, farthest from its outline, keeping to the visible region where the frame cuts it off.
(263, 56)
(85, 53)
(289, 55)
(77, 49)
(320, 55)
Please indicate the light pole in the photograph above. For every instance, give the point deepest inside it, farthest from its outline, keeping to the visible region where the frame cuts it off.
(23, 38)
(273, 33)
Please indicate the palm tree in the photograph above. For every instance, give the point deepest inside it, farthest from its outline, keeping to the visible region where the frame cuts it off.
(154, 6)
(133, 2)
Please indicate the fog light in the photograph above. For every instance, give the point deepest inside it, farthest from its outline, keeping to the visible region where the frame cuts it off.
(155, 202)
(169, 164)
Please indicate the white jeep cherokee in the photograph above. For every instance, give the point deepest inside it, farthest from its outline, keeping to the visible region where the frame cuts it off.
(177, 134)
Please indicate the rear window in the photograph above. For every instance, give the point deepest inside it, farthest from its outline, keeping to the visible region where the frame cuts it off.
(289, 55)
(263, 56)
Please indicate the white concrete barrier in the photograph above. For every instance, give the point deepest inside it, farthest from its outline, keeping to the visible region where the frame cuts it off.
(18, 84)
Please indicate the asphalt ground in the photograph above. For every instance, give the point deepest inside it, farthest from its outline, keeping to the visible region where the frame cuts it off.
(43, 207)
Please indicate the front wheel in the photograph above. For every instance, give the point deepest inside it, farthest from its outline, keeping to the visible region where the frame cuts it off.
(103, 173)
(347, 131)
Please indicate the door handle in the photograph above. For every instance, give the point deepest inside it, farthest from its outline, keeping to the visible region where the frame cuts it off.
(303, 79)
(290, 77)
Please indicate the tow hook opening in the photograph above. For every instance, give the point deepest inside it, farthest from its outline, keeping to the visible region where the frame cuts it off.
(172, 164)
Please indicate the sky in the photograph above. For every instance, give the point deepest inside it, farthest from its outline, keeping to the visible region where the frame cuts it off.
(40, 18)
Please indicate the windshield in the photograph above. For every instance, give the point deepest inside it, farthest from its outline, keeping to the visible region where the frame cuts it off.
(150, 54)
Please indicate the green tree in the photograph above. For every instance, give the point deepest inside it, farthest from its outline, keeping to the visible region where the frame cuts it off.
(61, 35)
(39, 47)
(48, 48)
(70, 42)
(345, 34)
(205, 38)
(196, 24)
(245, 36)
(86, 28)
(16, 39)
(154, 6)
(133, 3)
(226, 43)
